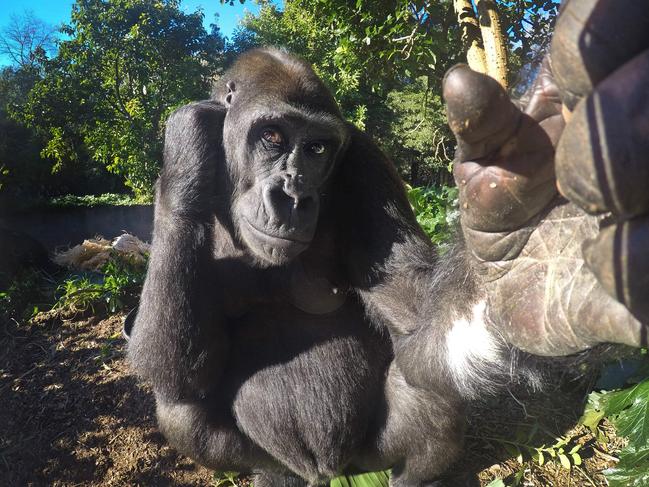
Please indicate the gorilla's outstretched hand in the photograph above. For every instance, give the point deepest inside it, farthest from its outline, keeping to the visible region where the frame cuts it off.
(561, 275)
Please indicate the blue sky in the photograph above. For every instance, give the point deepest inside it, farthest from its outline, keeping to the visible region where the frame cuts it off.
(58, 11)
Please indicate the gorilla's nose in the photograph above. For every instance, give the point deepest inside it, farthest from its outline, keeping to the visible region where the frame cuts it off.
(290, 200)
(294, 187)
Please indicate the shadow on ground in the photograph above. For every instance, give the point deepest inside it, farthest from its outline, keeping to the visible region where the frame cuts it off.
(72, 414)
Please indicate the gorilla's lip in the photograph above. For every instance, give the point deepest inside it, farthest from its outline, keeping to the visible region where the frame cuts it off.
(282, 240)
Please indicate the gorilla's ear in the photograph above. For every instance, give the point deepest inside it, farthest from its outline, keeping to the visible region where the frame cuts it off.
(375, 219)
(227, 100)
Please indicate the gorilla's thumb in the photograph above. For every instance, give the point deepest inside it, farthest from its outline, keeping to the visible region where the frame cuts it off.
(479, 111)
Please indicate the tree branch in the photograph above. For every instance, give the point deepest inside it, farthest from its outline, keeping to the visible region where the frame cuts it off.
(471, 37)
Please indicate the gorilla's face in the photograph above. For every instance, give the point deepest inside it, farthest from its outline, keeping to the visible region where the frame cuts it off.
(280, 158)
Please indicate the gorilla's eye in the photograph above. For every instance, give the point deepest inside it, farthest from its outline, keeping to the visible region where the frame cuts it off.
(272, 136)
(316, 148)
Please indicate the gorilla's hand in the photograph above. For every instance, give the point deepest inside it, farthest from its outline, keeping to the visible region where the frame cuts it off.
(188, 181)
(554, 275)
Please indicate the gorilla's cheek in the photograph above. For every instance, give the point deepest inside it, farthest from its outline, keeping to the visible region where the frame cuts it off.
(274, 235)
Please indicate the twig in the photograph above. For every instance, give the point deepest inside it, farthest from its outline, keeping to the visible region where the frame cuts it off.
(586, 476)
(608, 457)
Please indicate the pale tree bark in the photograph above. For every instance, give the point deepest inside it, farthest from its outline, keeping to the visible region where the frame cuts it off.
(486, 49)
(471, 36)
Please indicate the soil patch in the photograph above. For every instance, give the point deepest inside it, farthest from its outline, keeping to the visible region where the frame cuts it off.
(72, 413)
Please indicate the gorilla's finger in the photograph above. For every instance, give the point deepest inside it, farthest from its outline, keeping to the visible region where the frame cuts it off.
(480, 113)
(619, 257)
(592, 39)
(602, 159)
(504, 165)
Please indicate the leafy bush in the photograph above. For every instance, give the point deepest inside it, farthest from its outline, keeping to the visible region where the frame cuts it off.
(225, 479)
(91, 200)
(117, 287)
(628, 410)
(26, 295)
(118, 71)
(436, 209)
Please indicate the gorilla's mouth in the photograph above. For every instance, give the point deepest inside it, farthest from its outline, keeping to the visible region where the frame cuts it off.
(274, 240)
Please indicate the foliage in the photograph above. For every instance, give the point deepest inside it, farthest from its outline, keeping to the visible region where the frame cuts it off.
(371, 479)
(529, 26)
(418, 134)
(118, 286)
(562, 450)
(628, 410)
(23, 171)
(28, 176)
(27, 294)
(125, 65)
(436, 211)
(90, 200)
(225, 479)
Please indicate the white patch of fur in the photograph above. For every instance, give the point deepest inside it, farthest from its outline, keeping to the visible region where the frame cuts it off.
(472, 351)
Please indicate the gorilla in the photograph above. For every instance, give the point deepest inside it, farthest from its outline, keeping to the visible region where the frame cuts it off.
(297, 324)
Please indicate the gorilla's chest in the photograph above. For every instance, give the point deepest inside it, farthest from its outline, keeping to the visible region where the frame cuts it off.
(306, 385)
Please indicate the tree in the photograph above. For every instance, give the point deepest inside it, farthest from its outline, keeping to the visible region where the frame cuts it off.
(107, 93)
(385, 60)
(528, 29)
(27, 40)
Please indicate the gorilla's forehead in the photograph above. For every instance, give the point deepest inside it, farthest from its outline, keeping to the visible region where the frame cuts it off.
(278, 111)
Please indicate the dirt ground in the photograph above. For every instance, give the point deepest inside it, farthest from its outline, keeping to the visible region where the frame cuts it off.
(71, 414)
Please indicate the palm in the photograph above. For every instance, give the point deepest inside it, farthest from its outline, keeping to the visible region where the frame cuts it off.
(525, 238)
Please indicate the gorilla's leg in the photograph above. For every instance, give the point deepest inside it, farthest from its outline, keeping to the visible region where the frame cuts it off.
(210, 437)
(422, 432)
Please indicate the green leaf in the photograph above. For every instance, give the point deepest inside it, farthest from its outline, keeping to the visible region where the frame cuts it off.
(632, 470)
(371, 479)
(591, 419)
(576, 458)
(518, 476)
(633, 422)
(496, 483)
(565, 463)
(615, 402)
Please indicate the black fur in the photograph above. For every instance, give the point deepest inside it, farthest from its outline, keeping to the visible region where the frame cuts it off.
(315, 344)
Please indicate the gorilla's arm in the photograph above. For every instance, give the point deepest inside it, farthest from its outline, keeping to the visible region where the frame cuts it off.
(523, 279)
(176, 342)
(418, 296)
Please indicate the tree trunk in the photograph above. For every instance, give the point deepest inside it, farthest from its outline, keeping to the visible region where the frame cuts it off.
(492, 38)
(471, 36)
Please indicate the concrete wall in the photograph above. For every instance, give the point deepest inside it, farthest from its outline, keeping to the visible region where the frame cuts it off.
(63, 227)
